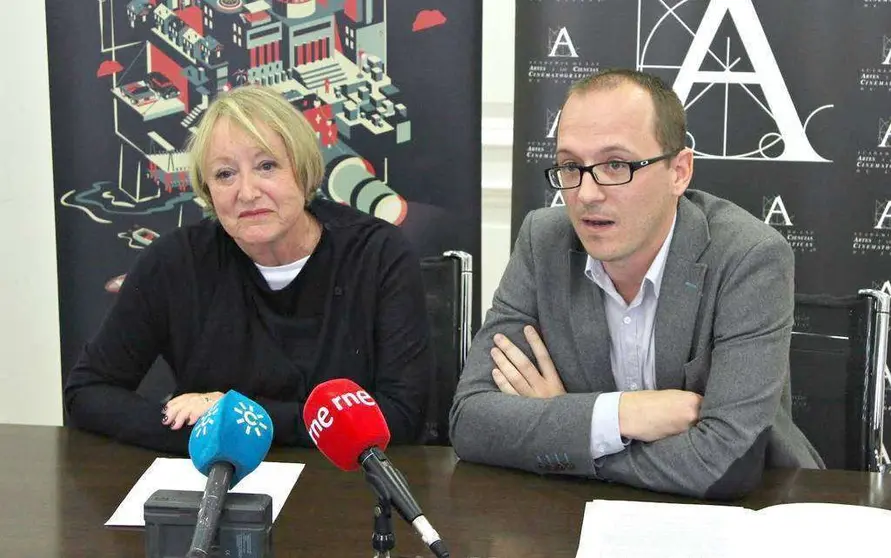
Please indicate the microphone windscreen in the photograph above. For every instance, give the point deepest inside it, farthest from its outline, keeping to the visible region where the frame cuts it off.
(343, 420)
(236, 430)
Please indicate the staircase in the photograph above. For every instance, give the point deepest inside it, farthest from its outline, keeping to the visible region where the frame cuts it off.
(313, 75)
(193, 114)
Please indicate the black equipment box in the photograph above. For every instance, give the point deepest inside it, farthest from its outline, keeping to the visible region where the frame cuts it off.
(245, 529)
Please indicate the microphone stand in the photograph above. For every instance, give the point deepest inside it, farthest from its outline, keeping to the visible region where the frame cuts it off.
(385, 497)
(383, 540)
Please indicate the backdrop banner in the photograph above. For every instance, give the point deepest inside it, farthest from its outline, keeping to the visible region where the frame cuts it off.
(130, 81)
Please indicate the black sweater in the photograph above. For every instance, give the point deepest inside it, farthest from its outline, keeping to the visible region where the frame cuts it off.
(355, 311)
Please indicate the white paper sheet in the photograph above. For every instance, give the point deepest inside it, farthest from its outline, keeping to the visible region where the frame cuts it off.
(818, 530)
(618, 529)
(274, 479)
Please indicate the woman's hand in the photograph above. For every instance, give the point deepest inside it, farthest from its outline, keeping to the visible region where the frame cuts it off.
(188, 408)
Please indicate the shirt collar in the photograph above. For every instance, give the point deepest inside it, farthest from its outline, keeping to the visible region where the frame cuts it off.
(595, 272)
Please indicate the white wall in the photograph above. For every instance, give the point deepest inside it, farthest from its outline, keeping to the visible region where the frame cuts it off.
(498, 99)
(29, 319)
(29, 316)
(498, 54)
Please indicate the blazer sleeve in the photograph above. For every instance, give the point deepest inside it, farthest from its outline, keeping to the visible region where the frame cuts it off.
(723, 455)
(487, 426)
(100, 391)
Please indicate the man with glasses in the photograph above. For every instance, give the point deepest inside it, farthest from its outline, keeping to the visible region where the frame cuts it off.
(640, 334)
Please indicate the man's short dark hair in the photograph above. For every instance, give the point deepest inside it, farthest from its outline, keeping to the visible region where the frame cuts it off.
(670, 118)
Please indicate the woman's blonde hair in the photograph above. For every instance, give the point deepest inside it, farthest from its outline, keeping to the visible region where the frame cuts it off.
(244, 107)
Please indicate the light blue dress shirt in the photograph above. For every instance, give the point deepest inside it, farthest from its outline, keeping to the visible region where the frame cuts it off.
(632, 346)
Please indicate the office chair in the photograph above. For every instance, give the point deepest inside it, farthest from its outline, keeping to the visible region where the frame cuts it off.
(448, 281)
(839, 372)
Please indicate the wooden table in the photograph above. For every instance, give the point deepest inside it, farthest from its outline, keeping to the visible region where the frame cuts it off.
(58, 486)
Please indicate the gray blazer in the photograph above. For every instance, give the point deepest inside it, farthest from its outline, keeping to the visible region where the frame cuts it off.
(723, 325)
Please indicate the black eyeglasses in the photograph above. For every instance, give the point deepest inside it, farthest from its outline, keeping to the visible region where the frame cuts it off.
(609, 173)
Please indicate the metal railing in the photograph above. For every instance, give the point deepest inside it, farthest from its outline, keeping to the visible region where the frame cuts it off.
(873, 410)
(465, 316)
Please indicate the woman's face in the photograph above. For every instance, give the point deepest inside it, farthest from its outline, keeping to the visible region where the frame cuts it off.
(255, 194)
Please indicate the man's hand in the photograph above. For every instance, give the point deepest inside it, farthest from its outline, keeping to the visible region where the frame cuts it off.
(515, 374)
(187, 408)
(655, 414)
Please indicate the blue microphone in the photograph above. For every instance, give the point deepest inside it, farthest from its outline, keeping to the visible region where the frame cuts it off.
(228, 442)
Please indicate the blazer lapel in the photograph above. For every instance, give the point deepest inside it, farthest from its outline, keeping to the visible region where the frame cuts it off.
(679, 296)
(589, 327)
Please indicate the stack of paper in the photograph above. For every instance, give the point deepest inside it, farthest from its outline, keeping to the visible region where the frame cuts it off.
(619, 529)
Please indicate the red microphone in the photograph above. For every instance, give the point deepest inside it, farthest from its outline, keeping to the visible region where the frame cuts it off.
(348, 427)
(343, 421)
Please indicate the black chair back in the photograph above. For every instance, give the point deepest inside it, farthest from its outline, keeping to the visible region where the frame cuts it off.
(445, 285)
(833, 364)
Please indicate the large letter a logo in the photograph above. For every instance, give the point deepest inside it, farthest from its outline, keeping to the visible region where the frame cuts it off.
(561, 45)
(766, 73)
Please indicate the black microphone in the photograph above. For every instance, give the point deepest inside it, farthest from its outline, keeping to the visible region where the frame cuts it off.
(219, 479)
(389, 483)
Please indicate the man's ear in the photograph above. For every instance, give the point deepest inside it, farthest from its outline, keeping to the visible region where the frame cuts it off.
(681, 171)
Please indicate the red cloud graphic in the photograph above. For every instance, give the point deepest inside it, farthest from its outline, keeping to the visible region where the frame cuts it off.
(427, 19)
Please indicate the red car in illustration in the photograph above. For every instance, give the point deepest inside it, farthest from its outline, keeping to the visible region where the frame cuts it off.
(138, 93)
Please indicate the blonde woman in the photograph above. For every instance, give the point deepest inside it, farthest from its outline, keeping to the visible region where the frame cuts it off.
(274, 294)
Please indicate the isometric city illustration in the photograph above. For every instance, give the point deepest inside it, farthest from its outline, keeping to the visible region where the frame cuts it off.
(170, 58)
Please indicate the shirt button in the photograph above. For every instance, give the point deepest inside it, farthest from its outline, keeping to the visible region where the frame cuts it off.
(627, 320)
(601, 448)
(634, 385)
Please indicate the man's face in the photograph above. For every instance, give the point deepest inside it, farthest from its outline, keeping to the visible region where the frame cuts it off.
(623, 224)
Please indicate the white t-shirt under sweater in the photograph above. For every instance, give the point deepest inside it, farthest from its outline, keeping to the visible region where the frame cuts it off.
(280, 276)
